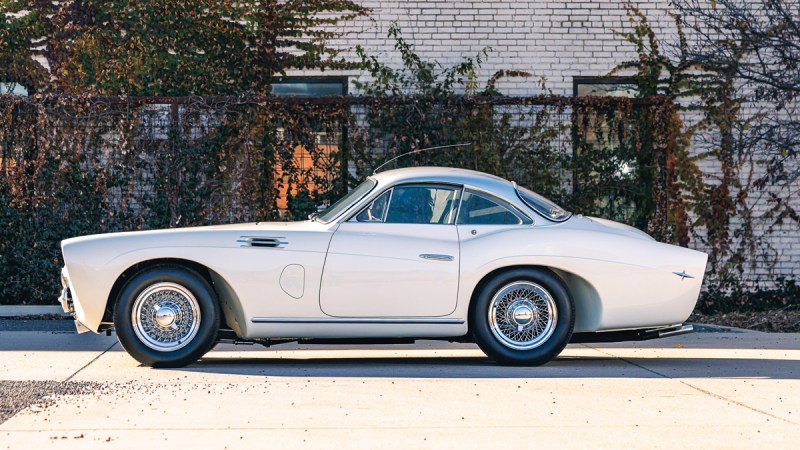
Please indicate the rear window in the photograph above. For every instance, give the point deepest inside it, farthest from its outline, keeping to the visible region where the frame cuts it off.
(482, 209)
(542, 205)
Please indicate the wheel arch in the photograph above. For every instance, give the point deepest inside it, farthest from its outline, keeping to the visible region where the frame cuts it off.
(588, 307)
(227, 297)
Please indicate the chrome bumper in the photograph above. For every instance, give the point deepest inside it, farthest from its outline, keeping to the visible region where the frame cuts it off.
(65, 299)
(67, 304)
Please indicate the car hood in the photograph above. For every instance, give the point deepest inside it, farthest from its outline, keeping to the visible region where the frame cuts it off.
(301, 236)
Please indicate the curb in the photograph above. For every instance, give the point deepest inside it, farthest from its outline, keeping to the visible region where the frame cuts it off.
(26, 310)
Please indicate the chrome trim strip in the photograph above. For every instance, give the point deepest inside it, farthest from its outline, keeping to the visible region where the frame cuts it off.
(355, 205)
(436, 257)
(675, 330)
(460, 201)
(385, 209)
(366, 321)
(262, 241)
(516, 191)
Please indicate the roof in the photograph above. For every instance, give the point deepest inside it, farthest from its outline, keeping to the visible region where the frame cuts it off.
(472, 178)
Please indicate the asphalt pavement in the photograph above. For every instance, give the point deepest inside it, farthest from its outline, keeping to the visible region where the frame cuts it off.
(707, 390)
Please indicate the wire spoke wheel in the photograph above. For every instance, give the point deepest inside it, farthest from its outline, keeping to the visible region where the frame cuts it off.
(165, 316)
(522, 315)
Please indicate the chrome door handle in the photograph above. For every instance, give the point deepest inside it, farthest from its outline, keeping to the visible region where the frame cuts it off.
(435, 257)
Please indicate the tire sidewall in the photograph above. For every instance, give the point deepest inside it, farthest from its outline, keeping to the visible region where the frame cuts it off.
(481, 329)
(207, 329)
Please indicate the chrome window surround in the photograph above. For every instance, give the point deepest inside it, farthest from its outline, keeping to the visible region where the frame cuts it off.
(352, 205)
(365, 204)
(500, 201)
(565, 218)
(492, 195)
(369, 205)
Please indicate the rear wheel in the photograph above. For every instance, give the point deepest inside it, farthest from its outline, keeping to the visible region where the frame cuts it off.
(167, 316)
(523, 317)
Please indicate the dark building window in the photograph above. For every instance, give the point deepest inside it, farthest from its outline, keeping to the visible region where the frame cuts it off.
(309, 87)
(604, 87)
(596, 138)
(328, 141)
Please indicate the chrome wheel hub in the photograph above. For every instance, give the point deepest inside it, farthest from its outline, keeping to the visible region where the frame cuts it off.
(522, 315)
(165, 316)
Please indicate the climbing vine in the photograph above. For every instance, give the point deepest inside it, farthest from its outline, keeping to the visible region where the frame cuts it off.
(192, 47)
(71, 166)
(79, 164)
(729, 208)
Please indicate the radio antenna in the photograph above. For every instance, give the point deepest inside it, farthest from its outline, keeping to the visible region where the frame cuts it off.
(422, 150)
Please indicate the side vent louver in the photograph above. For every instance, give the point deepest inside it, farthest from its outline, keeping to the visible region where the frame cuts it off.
(262, 242)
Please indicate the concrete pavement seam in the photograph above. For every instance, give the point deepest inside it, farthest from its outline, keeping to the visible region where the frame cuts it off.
(90, 362)
(717, 396)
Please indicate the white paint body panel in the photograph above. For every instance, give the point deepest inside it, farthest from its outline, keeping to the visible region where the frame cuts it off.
(375, 270)
(346, 279)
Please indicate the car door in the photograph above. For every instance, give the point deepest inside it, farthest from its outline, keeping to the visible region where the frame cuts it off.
(398, 257)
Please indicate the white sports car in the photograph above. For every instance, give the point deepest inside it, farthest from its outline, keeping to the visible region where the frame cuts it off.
(419, 253)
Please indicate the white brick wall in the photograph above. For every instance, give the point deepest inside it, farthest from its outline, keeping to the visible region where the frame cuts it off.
(557, 40)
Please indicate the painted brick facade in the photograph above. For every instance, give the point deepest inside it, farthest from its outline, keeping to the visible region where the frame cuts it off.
(558, 41)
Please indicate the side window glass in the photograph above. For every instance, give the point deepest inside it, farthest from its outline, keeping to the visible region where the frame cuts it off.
(431, 204)
(376, 211)
(483, 209)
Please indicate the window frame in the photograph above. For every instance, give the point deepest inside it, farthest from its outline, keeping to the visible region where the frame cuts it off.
(369, 205)
(502, 202)
(456, 187)
(351, 205)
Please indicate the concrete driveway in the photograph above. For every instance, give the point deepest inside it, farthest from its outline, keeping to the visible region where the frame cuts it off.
(705, 390)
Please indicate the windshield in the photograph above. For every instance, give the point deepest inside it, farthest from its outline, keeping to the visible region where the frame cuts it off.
(542, 205)
(343, 203)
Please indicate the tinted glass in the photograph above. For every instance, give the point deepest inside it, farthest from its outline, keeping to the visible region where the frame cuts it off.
(375, 211)
(353, 196)
(483, 209)
(432, 204)
(542, 205)
(301, 88)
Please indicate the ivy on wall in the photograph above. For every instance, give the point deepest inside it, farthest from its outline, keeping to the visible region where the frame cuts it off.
(601, 156)
(717, 209)
(71, 166)
(74, 163)
(192, 47)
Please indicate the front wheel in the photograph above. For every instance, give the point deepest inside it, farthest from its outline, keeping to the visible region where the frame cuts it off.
(167, 316)
(523, 317)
